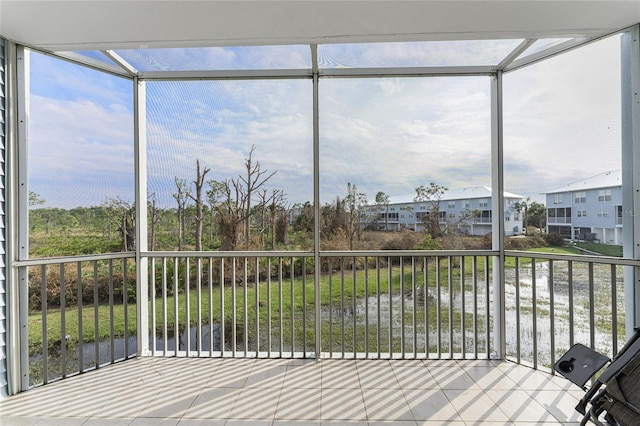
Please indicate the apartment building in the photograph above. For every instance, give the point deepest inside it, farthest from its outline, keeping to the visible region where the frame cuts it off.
(467, 210)
(589, 210)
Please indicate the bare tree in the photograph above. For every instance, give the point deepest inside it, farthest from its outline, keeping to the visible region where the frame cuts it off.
(154, 220)
(125, 216)
(214, 193)
(199, 183)
(382, 199)
(278, 216)
(230, 213)
(254, 180)
(181, 197)
(431, 195)
(353, 205)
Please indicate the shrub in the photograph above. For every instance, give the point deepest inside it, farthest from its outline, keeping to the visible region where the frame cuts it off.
(554, 239)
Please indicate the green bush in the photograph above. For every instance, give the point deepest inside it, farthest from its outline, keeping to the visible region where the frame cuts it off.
(554, 240)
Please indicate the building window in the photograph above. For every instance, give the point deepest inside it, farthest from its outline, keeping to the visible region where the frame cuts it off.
(557, 198)
(582, 213)
(507, 217)
(580, 197)
(603, 213)
(604, 195)
(451, 205)
(516, 216)
(483, 203)
(452, 215)
(466, 204)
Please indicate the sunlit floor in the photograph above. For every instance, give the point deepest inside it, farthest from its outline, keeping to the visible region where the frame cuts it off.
(170, 391)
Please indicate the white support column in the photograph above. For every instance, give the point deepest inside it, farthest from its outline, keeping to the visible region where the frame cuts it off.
(316, 201)
(21, 203)
(631, 171)
(17, 217)
(497, 207)
(142, 272)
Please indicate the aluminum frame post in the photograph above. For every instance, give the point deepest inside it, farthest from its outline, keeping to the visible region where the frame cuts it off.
(316, 203)
(630, 70)
(142, 272)
(497, 220)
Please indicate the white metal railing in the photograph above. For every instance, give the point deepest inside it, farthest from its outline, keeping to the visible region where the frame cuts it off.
(74, 304)
(372, 304)
(367, 304)
(554, 301)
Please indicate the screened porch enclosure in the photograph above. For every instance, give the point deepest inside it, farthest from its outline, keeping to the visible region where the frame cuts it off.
(212, 266)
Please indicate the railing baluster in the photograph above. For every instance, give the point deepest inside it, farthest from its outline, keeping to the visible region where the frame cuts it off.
(438, 310)
(366, 307)
(165, 336)
(176, 295)
(414, 297)
(257, 285)
(570, 283)
(233, 308)
(487, 313)
(592, 309)
(342, 305)
(245, 306)
(534, 303)
(199, 305)
(304, 307)
(210, 294)
(462, 309)
(330, 263)
(614, 311)
(425, 297)
(187, 308)
(63, 322)
(552, 320)
(390, 283)
(222, 310)
(280, 309)
(292, 307)
(153, 305)
(125, 302)
(45, 337)
(80, 329)
(402, 310)
(269, 307)
(96, 330)
(379, 324)
(475, 306)
(517, 301)
(111, 316)
(450, 289)
(353, 307)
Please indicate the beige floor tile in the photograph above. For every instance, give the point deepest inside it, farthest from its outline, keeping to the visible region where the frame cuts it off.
(519, 406)
(415, 378)
(430, 405)
(213, 403)
(452, 378)
(299, 404)
(386, 404)
(490, 378)
(475, 406)
(342, 404)
(255, 403)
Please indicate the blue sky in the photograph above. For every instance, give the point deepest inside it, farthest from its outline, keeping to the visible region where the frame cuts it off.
(561, 124)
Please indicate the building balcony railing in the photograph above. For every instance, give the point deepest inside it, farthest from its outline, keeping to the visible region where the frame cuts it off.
(558, 220)
(378, 304)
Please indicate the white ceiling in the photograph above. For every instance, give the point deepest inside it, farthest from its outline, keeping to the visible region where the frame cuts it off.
(111, 24)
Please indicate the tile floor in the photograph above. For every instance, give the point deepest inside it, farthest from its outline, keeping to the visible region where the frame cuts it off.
(199, 391)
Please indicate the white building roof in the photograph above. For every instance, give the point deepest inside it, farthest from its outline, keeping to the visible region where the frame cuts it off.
(473, 192)
(603, 180)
